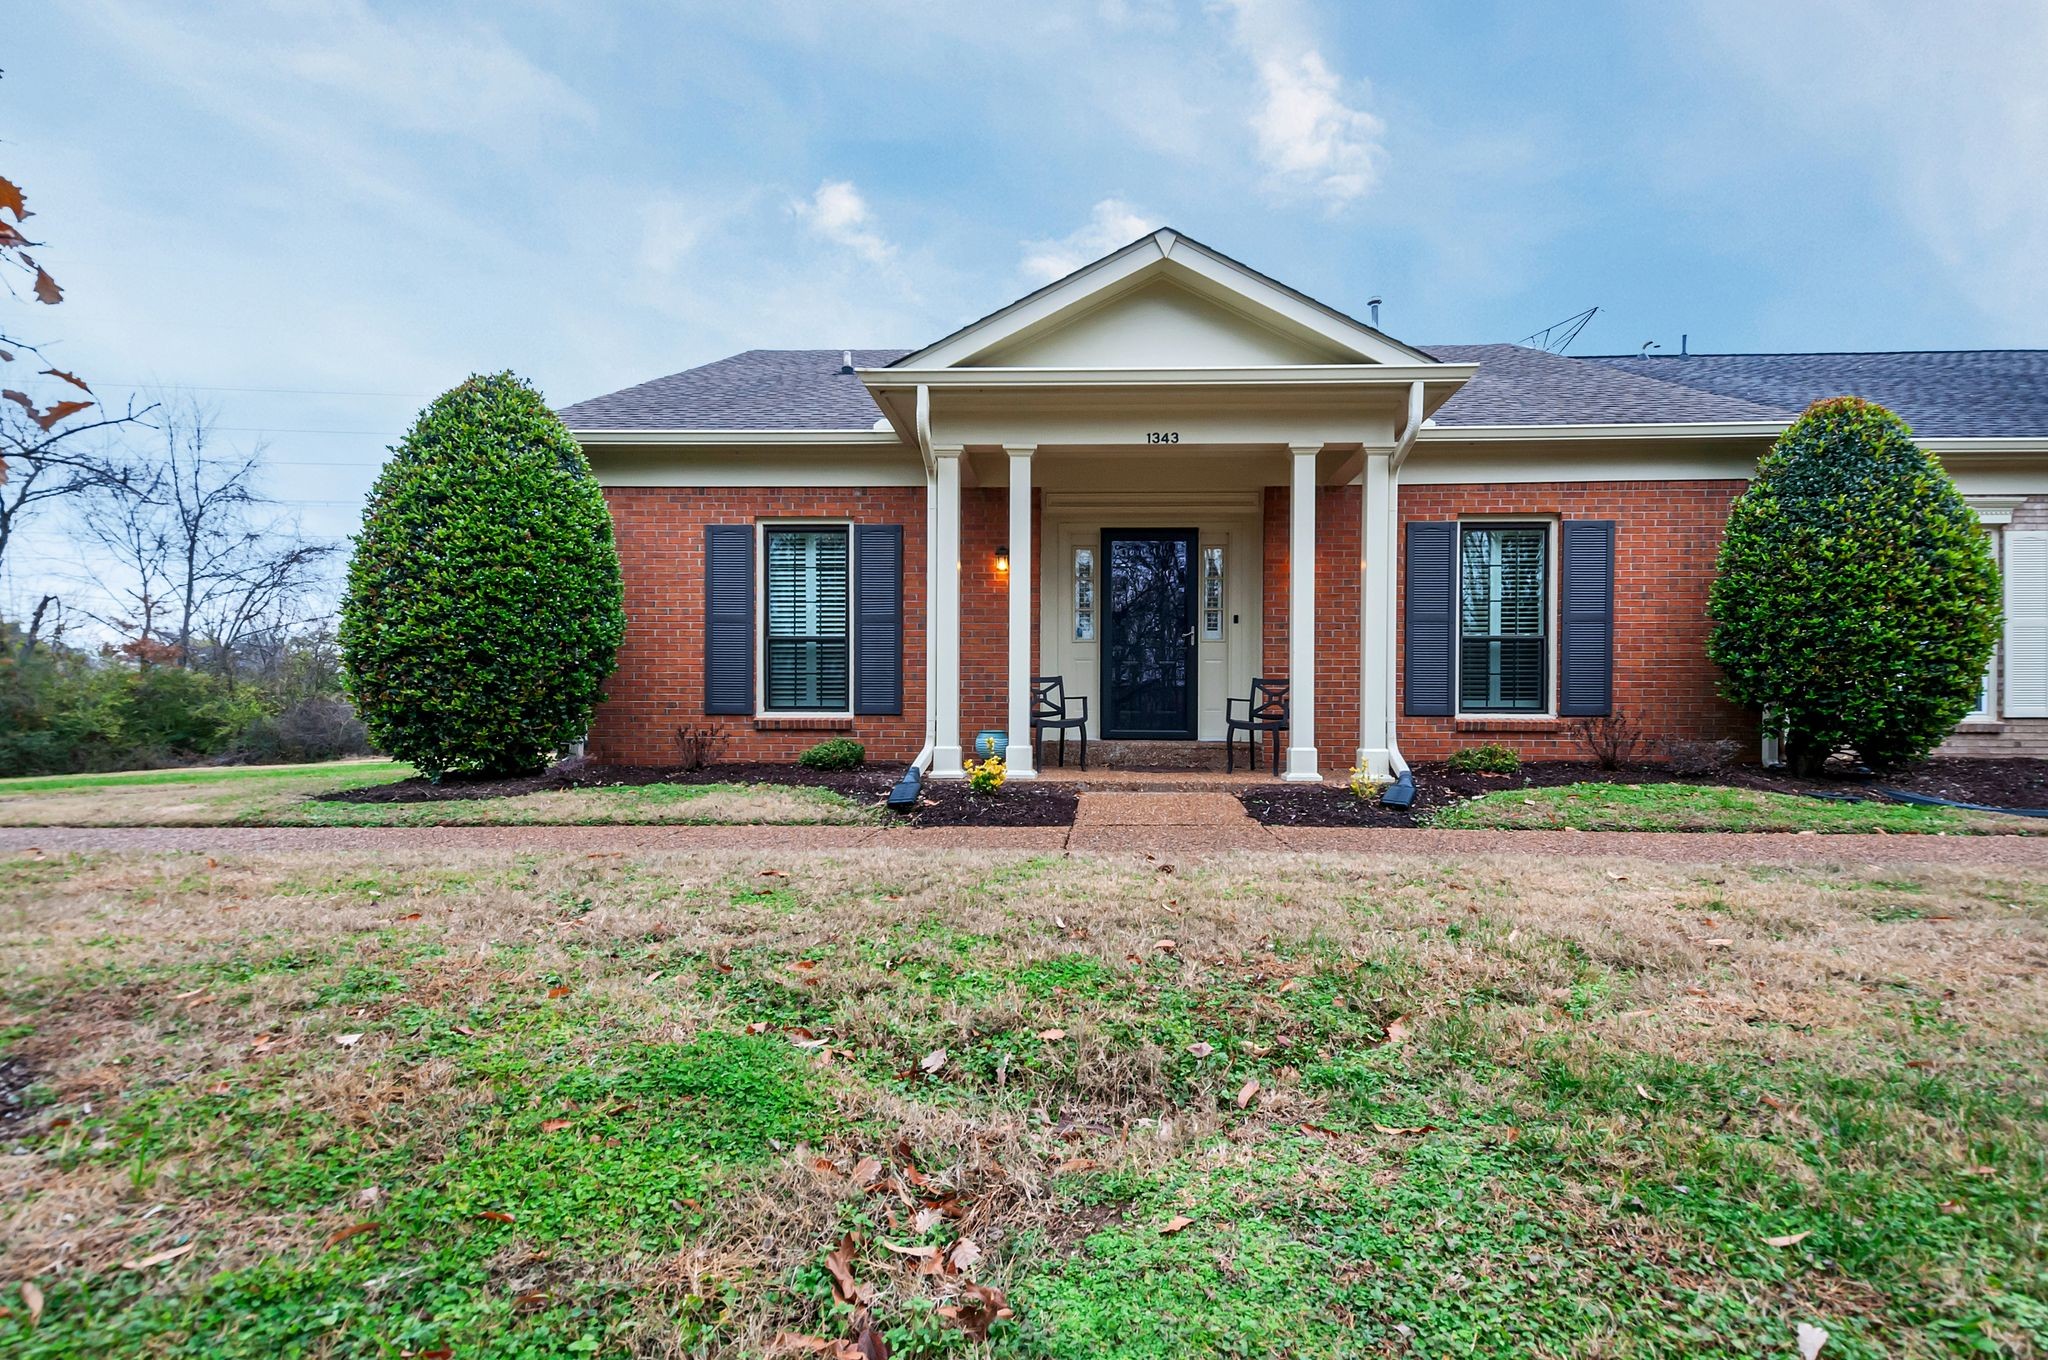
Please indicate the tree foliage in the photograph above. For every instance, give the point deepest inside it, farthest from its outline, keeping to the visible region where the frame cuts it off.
(1857, 599)
(484, 604)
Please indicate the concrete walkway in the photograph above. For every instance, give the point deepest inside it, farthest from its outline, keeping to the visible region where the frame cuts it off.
(1188, 830)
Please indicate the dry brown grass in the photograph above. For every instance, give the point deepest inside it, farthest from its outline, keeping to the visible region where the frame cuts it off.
(116, 965)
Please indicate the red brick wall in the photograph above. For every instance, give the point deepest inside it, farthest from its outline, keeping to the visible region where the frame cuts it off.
(985, 609)
(1666, 537)
(1337, 615)
(658, 685)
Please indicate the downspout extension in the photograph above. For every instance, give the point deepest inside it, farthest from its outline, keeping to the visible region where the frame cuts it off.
(904, 796)
(1402, 793)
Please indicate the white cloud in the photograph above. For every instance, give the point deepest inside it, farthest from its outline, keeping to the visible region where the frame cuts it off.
(838, 213)
(1111, 224)
(1971, 183)
(1313, 142)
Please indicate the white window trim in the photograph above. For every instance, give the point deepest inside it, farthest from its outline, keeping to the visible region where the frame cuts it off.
(1994, 513)
(1552, 615)
(761, 709)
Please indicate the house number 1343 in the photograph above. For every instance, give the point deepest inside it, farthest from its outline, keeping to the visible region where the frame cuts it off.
(1162, 436)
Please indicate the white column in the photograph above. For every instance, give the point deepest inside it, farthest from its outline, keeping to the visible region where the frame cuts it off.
(1017, 759)
(1301, 618)
(944, 616)
(1376, 622)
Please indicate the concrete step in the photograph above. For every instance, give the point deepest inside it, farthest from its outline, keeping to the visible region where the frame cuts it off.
(1154, 755)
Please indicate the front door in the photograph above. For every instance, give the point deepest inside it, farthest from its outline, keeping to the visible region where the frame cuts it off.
(1148, 634)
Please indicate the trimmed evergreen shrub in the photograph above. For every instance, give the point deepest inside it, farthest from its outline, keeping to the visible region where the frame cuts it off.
(836, 753)
(1857, 598)
(1492, 758)
(484, 605)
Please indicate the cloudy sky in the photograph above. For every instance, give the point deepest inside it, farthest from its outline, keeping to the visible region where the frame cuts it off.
(317, 214)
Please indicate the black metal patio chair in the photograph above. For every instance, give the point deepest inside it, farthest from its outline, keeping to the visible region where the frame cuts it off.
(1052, 710)
(1265, 711)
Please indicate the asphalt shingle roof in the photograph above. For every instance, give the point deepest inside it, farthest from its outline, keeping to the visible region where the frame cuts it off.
(1520, 386)
(1980, 392)
(1954, 393)
(762, 389)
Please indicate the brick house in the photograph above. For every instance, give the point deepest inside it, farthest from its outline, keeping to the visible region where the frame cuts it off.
(1167, 474)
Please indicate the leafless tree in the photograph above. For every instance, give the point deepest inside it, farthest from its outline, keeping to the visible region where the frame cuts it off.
(45, 465)
(205, 561)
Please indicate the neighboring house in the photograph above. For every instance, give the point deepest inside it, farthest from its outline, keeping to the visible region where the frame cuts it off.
(1167, 474)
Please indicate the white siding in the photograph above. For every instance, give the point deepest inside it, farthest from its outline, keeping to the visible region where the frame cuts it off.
(2026, 623)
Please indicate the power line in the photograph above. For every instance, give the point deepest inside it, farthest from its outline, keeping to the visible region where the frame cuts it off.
(282, 391)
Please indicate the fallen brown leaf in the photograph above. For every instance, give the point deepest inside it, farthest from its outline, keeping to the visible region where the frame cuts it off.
(1789, 1239)
(931, 1062)
(839, 1264)
(1174, 1225)
(1052, 1036)
(159, 1258)
(32, 1297)
(340, 1235)
(555, 1125)
(1398, 1030)
(496, 1216)
(1247, 1092)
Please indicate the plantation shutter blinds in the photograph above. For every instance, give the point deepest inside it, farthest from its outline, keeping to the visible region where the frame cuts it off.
(2026, 623)
(805, 647)
(1502, 600)
(878, 610)
(729, 618)
(1585, 661)
(1429, 632)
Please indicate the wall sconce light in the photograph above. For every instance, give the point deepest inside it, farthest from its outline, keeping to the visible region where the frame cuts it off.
(1003, 559)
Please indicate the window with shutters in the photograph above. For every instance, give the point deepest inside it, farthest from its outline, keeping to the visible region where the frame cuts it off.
(1503, 609)
(807, 627)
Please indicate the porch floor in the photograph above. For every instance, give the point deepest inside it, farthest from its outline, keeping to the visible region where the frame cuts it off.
(1161, 765)
(1095, 778)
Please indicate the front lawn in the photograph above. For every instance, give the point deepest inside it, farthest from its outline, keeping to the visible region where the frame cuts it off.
(292, 795)
(468, 1104)
(1707, 807)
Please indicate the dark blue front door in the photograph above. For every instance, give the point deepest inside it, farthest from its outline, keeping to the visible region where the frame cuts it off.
(1148, 637)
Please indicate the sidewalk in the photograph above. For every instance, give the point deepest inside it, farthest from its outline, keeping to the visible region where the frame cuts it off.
(1102, 834)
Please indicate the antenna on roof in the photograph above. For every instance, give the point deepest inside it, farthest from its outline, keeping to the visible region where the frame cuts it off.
(1372, 307)
(1648, 345)
(846, 361)
(1557, 337)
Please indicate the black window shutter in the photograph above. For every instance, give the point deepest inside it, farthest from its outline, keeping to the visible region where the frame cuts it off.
(1431, 620)
(878, 618)
(1585, 671)
(729, 618)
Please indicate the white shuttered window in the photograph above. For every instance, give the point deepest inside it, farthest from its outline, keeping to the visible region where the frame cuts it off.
(2026, 623)
(805, 652)
(1503, 605)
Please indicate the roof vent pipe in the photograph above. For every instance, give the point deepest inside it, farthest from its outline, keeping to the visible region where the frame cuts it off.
(846, 361)
(1373, 308)
(1682, 339)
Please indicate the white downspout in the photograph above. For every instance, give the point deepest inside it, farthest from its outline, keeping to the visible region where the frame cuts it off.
(1395, 762)
(922, 762)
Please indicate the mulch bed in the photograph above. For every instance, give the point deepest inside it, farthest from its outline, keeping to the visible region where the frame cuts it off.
(2012, 782)
(1020, 804)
